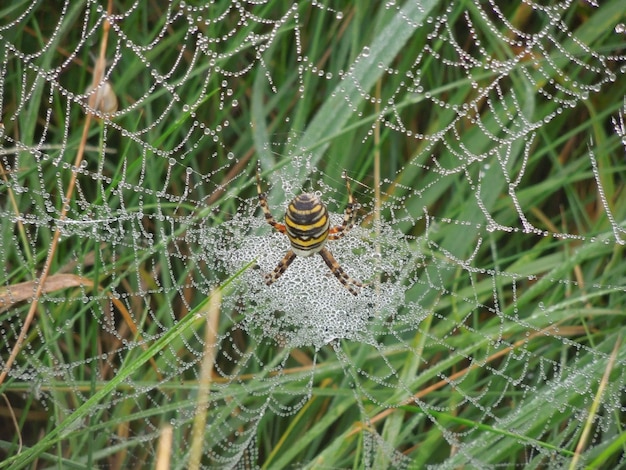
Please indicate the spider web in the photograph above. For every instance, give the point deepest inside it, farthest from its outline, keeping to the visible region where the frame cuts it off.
(132, 303)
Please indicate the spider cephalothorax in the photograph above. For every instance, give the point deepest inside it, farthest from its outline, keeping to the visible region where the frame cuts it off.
(307, 226)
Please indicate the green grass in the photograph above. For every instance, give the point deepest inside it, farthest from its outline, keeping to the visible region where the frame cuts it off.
(505, 337)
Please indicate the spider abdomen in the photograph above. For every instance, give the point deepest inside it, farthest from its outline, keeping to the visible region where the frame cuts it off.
(307, 224)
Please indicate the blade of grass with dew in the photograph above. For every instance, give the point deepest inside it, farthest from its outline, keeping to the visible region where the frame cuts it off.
(71, 423)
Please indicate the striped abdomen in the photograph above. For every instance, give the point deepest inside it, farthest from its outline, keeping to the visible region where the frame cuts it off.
(307, 224)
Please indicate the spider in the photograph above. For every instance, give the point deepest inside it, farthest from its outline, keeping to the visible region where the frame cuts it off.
(307, 226)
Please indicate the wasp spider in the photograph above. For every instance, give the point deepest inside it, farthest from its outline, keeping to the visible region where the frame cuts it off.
(307, 226)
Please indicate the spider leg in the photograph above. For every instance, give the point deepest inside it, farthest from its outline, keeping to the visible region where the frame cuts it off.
(269, 218)
(281, 268)
(349, 217)
(348, 282)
